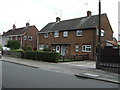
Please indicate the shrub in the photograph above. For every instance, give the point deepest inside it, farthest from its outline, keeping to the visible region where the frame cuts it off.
(19, 50)
(27, 48)
(46, 49)
(13, 44)
(43, 56)
(0, 47)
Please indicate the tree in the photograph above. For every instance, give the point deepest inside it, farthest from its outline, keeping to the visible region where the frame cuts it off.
(13, 44)
(0, 47)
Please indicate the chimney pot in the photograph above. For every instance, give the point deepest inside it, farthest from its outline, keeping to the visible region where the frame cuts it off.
(89, 13)
(57, 19)
(14, 27)
(27, 24)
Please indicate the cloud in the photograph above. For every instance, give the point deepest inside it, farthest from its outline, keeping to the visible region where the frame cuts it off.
(41, 12)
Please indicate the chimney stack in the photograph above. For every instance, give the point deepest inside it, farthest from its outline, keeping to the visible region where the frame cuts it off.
(89, 13)
(14, 27)
(27, 24)
(57, 19)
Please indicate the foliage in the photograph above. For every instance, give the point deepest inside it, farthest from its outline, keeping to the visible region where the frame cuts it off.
(28, 48)
(19, 50)
(46, 49)
(13, 44)
(44, 56)
(0, 47)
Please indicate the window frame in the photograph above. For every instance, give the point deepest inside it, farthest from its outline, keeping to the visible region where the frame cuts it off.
(30, 38)
(16, 38)
(79, 33)
(25, 37)
(41, 46)
(102, 32)
(65, 33)
(45, 35)
(77, 47)
(85, 47)
(56, 34)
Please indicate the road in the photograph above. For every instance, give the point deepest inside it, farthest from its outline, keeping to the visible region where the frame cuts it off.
(19, 76)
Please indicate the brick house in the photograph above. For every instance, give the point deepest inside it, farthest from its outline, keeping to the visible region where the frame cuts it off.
(75, 36)
(26, 35)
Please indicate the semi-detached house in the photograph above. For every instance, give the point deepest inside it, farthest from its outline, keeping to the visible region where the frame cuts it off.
(75, 36)
(26, 35)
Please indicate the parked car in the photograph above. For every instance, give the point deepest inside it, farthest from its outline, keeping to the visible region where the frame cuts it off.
(6, 49)
(0, 54)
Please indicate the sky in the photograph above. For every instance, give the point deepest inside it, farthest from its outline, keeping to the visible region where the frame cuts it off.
(41, 12)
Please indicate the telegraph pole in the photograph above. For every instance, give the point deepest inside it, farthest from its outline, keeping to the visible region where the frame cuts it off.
(99, 38)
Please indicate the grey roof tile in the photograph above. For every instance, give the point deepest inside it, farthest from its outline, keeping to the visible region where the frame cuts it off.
(72, 24)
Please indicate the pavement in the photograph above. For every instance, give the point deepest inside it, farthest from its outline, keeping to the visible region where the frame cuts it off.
(80, 69)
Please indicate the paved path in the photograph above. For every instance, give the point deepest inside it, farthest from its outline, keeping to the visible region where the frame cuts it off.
(79, 68)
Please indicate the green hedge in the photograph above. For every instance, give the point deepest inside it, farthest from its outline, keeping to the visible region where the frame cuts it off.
(43, 56)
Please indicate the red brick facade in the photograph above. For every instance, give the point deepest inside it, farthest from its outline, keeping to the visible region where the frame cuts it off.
(33, 42)
(26, 35)
(76, 45)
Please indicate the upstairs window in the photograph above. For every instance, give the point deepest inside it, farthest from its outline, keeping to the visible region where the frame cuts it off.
(25, 37)
(79, 33)
(102, 33)
(30, 38)
(86, 48)
(45, 35)
(65, 34)
(56, 34)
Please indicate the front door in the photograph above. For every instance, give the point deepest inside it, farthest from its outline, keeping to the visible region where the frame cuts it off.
(58, 49)
(63, 48)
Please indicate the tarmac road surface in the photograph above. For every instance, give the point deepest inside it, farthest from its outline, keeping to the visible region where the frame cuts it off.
(19, 76)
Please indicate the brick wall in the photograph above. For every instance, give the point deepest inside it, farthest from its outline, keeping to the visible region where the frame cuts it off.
(33, 43)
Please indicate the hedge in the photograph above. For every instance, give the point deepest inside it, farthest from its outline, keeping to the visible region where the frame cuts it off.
(43, 56)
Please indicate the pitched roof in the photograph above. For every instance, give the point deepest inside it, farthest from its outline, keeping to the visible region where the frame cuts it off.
(17, 31)
(72, 24)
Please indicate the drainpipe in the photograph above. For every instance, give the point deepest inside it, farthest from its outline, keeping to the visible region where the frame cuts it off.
(21, 42)
(37, 41)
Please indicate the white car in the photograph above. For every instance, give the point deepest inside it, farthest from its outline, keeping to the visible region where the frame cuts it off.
(0, 54)
(6, 49)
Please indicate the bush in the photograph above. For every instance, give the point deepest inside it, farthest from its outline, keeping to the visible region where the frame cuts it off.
(43, 56)
(28, 48)
(13, 44)
(0, 47)
(19, 50)
(46, 49)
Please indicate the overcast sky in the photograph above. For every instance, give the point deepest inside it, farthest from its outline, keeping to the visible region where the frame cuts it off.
(41, 12)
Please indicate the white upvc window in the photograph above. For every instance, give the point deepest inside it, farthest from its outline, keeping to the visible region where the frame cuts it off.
(102, 33)
(47, 46)
(16, 38)
(41, 47)
(79, 33)
(25, 37)
(56, 34)
(10, 37)
(45, 35)
(86, 48)
(65, 34)
(77, 48)
(30, 38)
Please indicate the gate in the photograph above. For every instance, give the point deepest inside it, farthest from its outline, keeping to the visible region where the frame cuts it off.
(110, 58)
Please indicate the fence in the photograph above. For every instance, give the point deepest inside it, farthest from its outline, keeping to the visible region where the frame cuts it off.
(109, 58)
(74, 58)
